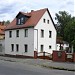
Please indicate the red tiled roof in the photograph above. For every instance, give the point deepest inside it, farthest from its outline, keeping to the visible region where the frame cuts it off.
(35, 16)
(2, 27)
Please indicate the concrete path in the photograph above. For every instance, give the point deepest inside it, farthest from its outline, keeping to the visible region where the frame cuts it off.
(43, 63)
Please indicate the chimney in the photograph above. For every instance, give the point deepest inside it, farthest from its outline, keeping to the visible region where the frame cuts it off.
(2, 23)
(32, 10)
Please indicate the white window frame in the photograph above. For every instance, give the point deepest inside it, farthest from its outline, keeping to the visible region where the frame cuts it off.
(26, 32)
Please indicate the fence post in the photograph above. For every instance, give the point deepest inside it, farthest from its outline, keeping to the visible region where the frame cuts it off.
(35, 54)
(43, 55)
(73, 57)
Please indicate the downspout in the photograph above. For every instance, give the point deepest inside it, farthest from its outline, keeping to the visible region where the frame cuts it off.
(37, 38)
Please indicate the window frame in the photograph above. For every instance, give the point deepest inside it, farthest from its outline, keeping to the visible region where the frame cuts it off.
(19, 21)
(41, 48)
(42, 33)
(25, 48)
(10, 34)
(50, 34)
(26, 32)
(12, 47)
(44, 20)
(22, 20)
(50, 47)
(17, 33)
(1, 47)
(17, 47)
(48, 21)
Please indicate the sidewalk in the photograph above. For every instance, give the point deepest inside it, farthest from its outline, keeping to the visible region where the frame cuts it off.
(44, 63)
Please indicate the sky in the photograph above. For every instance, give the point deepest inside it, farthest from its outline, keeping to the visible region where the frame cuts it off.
(10, 8)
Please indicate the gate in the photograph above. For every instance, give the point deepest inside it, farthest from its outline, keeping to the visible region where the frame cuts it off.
(44, 55)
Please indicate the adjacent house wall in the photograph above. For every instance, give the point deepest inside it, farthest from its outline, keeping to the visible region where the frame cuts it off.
(46, 41)
(2, 47)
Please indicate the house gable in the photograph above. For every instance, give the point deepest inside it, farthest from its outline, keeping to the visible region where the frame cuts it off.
(48, 40)
(51, 19)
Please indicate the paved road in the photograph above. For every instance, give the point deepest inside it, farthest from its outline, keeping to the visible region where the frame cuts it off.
(48, 63)
(15, 68)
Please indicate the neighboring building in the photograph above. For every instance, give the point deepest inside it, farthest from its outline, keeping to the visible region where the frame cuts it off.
(2, 38)
(2, 33)
(29, 32)
(62, 45)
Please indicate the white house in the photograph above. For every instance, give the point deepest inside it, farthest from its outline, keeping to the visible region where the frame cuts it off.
(29, 32)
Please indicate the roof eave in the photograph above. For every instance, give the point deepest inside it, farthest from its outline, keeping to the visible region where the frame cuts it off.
(19, 28)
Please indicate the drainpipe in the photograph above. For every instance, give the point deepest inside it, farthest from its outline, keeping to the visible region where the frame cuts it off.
(37, 39)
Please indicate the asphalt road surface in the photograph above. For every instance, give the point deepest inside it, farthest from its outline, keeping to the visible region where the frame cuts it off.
(16, 68)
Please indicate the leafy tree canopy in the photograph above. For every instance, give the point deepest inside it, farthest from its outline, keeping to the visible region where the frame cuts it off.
(66, 27)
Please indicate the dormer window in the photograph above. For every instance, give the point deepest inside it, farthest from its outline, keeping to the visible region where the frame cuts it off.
(20, 21)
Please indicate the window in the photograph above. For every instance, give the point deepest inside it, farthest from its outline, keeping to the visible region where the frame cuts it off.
(19, 21)
(42, 48)
(50, 47)
(26, 32)
(10, 34)
(26, 47)
(42, 33)
(17, 33)
(48, 21)
(22, 20)
(44, 20)
(50, 34)
(17, 47)
(0, 47)
(12, 47)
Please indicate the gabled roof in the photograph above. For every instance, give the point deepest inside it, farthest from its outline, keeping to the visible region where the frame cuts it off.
(35, 16)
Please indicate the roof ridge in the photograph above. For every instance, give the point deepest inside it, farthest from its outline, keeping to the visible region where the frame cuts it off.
(32, 11)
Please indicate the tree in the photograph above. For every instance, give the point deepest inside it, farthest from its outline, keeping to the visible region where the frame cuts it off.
(62, 17)
(66, 27)
(70, 32)
(6, 22)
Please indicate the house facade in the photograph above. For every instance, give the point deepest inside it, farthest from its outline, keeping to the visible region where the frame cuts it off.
(29, 32)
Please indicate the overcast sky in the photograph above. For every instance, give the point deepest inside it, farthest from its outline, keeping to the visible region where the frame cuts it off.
(10, 8)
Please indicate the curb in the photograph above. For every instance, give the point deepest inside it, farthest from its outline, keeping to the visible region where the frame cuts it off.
(58, 68)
